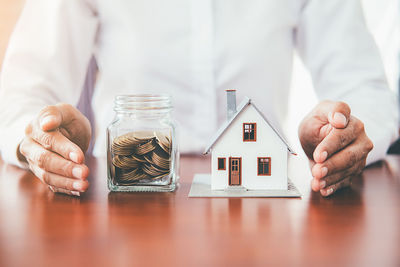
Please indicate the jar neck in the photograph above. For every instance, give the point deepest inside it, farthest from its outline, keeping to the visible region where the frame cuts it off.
(143, 105)
(144, 115)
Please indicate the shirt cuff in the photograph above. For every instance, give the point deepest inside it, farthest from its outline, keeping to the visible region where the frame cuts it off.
(11, 138)
(382, 139)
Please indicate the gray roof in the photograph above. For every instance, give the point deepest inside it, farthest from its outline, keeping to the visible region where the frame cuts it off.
(247, 101)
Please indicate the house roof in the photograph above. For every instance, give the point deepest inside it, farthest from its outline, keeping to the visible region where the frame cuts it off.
(247, 101)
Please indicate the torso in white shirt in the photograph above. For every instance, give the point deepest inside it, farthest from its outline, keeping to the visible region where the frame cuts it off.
(195, 50)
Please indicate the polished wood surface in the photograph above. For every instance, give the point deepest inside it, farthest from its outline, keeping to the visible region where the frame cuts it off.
(359, 226)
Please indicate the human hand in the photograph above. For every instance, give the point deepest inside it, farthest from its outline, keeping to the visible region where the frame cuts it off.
(54, 146)
(336, 144)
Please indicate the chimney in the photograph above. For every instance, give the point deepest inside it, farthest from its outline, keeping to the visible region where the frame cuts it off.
(231, 103)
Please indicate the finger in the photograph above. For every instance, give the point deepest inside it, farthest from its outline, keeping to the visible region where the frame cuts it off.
(341, 160)
(53, 162)
(336, 113)
(57, 142)
(311, 163)
(337, 139)
(63, 191)
(52, 117)
(337, 119)
(333, 188)
(315, 185)
(318, 184)
(58, 181)
(339, 115)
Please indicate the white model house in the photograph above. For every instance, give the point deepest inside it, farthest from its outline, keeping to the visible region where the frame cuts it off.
(247, 152)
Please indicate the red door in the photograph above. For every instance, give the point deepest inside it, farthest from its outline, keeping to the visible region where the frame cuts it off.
(235, 171)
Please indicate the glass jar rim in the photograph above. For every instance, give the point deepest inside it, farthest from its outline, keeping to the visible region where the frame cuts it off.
(142, 102)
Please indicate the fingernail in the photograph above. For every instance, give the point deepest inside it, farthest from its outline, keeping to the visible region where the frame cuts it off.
(46, 120)
(329, 191)
(340, 118)
(77, 172)
(324, 171)
(77, 185)
(323, 156)
(73, 156)
(322, 184)
(76, 193)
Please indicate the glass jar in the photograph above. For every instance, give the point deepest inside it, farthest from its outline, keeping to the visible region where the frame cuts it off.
(142, 153)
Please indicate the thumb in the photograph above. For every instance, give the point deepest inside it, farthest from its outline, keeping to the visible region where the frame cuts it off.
(50, 118)
(337, 113)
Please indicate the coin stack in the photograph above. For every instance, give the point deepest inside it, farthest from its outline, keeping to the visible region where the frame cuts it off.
(141, 156)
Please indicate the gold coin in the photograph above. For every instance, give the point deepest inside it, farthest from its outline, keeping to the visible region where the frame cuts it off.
(164, 142)
(125, 162)
(162, 162)
(145, 147)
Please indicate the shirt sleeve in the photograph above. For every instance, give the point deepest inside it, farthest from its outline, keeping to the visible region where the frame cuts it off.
(45, 63)
(334, 43)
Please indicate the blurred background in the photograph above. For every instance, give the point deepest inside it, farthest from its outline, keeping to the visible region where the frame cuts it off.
(9, 12)
(382, 17)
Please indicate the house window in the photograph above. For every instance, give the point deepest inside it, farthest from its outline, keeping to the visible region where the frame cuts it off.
(249, 132)
(264, 166)
(221, 164)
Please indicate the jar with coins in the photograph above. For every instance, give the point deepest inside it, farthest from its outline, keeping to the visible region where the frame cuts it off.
(142, 153)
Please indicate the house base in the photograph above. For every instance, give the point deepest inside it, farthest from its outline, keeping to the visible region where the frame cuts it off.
(201, 187)
(235, 188)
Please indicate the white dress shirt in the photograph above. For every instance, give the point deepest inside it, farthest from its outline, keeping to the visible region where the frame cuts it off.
(194, 50)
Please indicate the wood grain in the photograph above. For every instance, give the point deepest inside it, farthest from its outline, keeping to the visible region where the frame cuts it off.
(359, 226)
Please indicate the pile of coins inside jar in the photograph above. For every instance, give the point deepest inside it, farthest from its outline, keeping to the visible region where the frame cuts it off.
(141, 156)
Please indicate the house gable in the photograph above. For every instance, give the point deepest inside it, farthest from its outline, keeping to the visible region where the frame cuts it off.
(264, 133)
(244, 106)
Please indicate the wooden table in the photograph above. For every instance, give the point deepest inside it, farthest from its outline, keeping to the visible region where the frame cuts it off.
(359, 226)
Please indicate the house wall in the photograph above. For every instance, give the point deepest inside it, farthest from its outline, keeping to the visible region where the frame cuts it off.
(268, 144)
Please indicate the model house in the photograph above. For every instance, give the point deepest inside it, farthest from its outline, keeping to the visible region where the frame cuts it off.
(247, 151)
